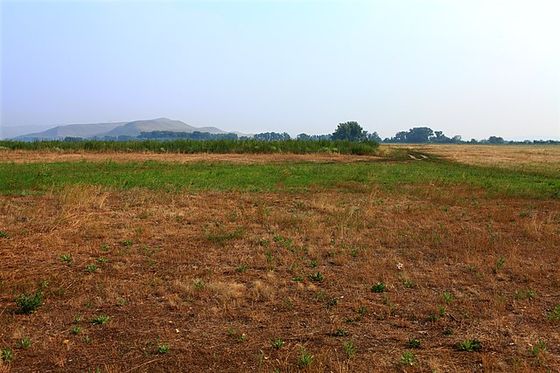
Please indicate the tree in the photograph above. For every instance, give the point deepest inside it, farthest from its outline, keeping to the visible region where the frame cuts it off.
(419, 135)
(495, 140)
(350, 131)
(374, 137)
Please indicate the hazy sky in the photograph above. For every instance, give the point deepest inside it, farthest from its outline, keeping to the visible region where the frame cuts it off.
(474, 67)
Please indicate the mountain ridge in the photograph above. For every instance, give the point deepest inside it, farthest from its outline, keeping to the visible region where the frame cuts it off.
(116, 129)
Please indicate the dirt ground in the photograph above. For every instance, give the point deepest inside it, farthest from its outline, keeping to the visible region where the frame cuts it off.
(207, 281)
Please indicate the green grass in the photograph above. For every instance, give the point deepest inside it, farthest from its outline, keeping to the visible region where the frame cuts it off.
(194, 146)
(43, 177)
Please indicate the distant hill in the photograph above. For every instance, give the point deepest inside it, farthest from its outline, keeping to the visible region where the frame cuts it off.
(130, 129)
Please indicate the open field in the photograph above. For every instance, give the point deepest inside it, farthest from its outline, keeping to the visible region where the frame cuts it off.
(278, 263)
(530, 158)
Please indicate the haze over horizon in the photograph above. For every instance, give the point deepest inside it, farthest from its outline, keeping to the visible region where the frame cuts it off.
(473, 68)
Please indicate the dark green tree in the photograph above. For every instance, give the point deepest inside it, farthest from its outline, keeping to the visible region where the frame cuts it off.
(350, 131)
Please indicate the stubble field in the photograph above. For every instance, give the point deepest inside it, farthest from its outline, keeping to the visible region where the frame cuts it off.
(130, 263)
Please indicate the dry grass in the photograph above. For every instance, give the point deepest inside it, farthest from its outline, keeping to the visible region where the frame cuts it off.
(172, 272)
(539, 158)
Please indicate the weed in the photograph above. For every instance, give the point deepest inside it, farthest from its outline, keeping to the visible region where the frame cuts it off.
(305, 359)
(448, 297)
(379, 287)
(25, 343)
(242, 268)
(500, 263)
(469, 345)
(29, 303)
(76, 330)
(7, 355)
(66, 258)
(162, 348)
(362, 311)
(349, 348)
(127, 243)
(105, 248)
(198, 284)
(297, 279)
(102, 260)
(100, 320)
(538, 348)
(441, 311)
(277, 343)
(414, 343)
(91, 268)
(525, 294)
(554, 315)
(408, 358)
(313, 263)
(317, 277)
(3, 234)
(409, 284)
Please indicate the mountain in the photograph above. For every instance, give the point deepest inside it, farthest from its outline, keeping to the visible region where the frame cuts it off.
(131, 129)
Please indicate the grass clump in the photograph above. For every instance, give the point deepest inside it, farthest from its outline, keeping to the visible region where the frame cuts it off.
(3, 234)
(414, 343)
(91, 268)
(305, 359)
(469, 345)
(277, 343)
(7, 355)
(554, 315)
(162, 348)
(100, 320)
(349, 348)
(408, 358)
(379, 287)
(25, 343)
(29, 303)
(66, 258)
(317, 277)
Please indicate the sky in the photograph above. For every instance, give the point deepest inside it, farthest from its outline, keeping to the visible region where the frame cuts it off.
(473, 68)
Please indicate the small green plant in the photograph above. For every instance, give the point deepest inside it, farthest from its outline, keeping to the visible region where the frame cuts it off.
(105, 248)
(163, 348)
(29, 303)
(379, 287)
(102, 260)
(297, 279)
(525, 294)
(448, 297)
(76, 330)
(242, 268)
(313, 263)
(441, 311)
(500, 263)
(409, 284)
(349, 348)
(91, 268)
(198, 284)
(277, 343)
(305, 359)
(127, 243)
(414, 343)
(317, 277)
(25, 343)
(100, 320)
(538, 348)
(408, 358)
(7, 355)
(3, 234)
(362, 311)
(469, 345)
(66, 258)
(554, 315)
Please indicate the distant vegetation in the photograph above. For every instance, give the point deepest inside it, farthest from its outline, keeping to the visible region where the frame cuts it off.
(207, 146)
(348, 138)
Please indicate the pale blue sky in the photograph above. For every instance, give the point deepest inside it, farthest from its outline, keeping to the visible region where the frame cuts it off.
(475, 67)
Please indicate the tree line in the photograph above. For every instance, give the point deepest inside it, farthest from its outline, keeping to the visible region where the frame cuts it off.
(347, 131)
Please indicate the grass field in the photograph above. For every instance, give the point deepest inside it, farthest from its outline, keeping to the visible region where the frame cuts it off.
(278, 263)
